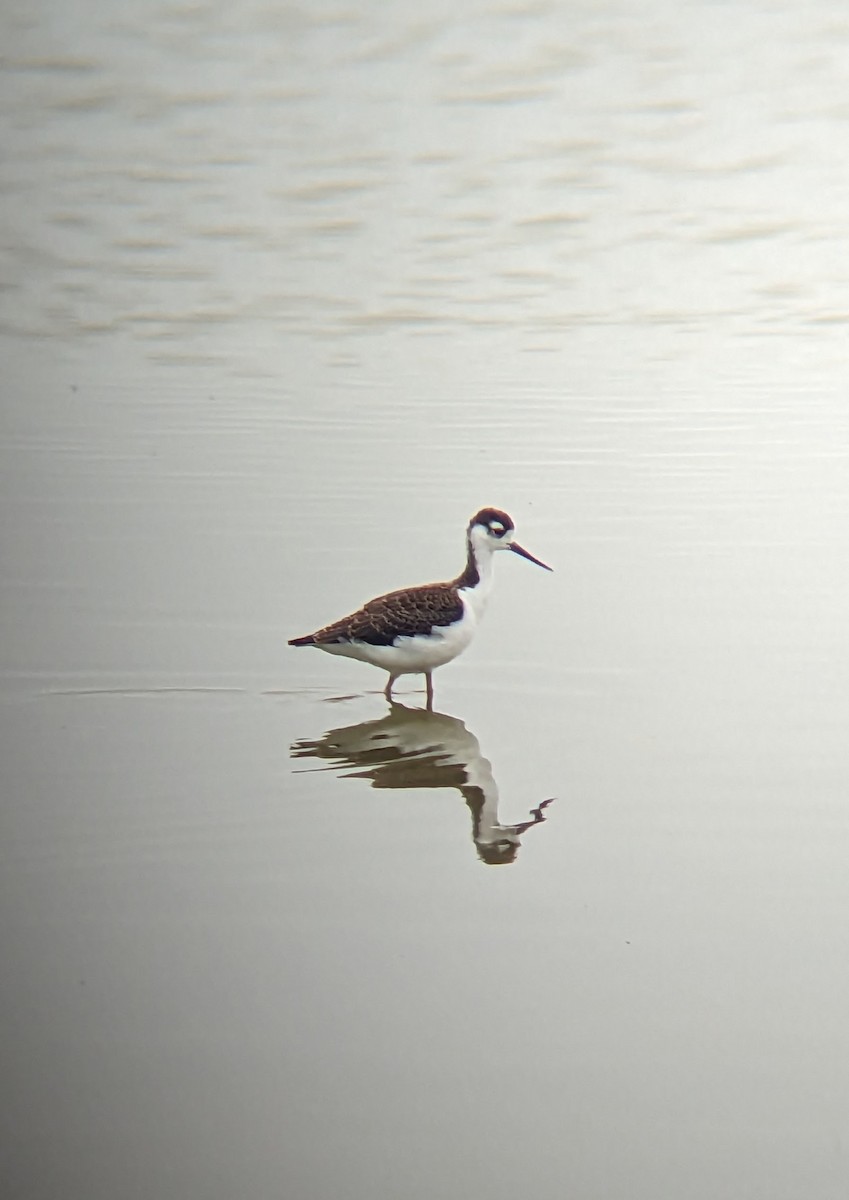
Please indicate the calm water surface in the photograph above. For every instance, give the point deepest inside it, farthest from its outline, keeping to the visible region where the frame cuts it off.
(287, 294)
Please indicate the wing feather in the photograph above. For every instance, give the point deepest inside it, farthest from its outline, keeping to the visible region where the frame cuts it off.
(397, 614)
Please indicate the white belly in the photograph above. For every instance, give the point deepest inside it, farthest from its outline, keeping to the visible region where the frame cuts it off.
(410, 655)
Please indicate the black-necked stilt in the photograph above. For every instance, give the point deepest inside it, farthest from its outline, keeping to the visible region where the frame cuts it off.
(415, 630)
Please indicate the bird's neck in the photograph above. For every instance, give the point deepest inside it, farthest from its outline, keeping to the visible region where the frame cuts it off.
(476, 578)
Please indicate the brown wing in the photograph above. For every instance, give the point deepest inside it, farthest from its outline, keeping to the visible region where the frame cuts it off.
(397, 614)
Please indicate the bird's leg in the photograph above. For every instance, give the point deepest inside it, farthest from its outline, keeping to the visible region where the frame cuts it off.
(429, 690)
(388, 689)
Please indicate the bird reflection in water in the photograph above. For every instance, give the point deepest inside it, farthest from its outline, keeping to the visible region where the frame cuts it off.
(414, 748)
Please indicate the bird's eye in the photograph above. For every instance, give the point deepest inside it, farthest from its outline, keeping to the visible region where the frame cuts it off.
(497, 528)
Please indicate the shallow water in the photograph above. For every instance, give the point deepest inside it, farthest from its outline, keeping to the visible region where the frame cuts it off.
(286, 296)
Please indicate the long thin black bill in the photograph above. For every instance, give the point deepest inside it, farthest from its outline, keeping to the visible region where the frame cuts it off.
(517, 549)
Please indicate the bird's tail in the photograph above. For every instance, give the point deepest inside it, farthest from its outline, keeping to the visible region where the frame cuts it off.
(309, 640)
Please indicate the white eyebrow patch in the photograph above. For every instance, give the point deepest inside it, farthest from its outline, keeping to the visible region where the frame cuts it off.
(496, 527)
